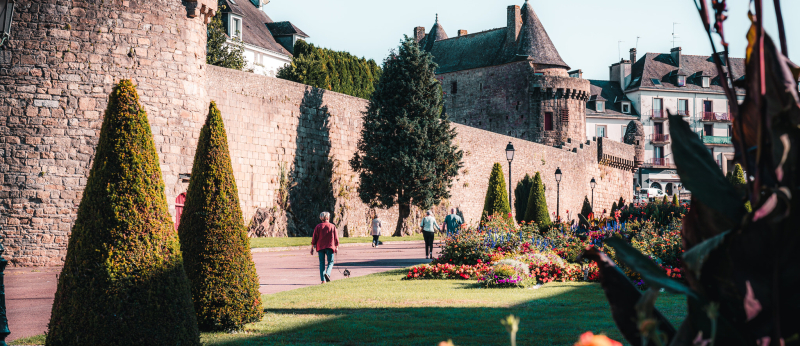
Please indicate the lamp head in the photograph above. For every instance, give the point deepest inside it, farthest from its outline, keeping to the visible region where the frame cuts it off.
(509, 152)
(558, 174)
(593, 183)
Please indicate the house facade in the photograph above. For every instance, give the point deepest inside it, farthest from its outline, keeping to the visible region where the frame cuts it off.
(658, 84)
(268, 45)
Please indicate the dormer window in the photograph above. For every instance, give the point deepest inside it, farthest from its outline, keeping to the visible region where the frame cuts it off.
(235, 29)
(626, 107)
(600, 106)
(706, 82)
(681, 81)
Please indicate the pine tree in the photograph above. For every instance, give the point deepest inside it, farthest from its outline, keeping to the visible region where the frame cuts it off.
(664, 200)
(675, 199)
(218, 51)
(621, 203)
(213, 239)
(537, 204)
(587, 207)
(613, 207)
(123, 281)
(521, 194)
(496, 200)
(406, 153)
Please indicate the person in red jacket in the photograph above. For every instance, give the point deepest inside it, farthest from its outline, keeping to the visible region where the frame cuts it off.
(326, 241)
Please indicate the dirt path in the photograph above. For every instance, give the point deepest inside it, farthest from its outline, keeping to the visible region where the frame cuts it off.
(30, 291)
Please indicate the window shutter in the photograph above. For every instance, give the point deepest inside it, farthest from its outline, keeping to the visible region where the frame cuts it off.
(565, 115)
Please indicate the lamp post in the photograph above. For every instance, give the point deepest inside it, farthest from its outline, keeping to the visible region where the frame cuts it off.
(679, 186)
(6, 15)
(593, 183)
(4, 332)
(509, 157)
(558, 193)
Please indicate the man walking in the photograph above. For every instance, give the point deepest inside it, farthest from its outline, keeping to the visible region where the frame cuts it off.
(452, 222)
(326, 241)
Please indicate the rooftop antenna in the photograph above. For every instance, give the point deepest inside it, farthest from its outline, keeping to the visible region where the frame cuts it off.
(673, 34)
(637, 43)
(619, 52)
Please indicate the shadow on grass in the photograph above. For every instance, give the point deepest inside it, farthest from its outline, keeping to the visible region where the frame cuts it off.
(558, 315)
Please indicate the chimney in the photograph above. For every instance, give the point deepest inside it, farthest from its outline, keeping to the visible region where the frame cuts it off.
(513, 24)
(419, 33)
(676, 56)
(633, 55)
(462, 33)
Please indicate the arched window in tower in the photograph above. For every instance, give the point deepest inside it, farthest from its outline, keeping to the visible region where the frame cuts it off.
(179, 201)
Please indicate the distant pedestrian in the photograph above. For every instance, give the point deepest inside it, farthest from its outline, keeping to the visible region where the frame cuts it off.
(429, 226)
(377, 226)
(326, 241)
(452, 222)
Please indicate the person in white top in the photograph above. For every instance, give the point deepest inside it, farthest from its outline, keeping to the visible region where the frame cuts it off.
(429, 226)
(377, 225)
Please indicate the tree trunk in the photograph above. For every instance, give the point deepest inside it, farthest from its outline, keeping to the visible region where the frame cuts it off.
(404, 210)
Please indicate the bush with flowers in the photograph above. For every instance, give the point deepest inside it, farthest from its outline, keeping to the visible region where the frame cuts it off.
(507, 273)
(448, 271)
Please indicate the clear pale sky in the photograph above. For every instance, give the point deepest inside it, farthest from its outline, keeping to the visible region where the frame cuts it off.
(585, 32)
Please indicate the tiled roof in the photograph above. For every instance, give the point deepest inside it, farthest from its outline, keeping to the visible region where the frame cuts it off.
(254, 25)
(285, 28)
(489, 48)
(612, 93)
(662, 68)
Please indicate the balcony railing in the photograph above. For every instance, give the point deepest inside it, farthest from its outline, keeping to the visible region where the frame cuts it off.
(659, 138)
(719, 140)
(716, 116)
(659, 162)
(684, 113)
(658, 114)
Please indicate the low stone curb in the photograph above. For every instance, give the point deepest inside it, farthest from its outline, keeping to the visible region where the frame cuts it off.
(305, 247)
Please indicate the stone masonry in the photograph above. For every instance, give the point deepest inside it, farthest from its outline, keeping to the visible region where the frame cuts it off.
(66, 55)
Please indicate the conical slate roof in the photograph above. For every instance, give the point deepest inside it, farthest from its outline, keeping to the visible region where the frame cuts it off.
(437, 33)
(533, 41)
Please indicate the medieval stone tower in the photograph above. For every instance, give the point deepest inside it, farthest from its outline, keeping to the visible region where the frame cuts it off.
(56, 73)
(509, 80)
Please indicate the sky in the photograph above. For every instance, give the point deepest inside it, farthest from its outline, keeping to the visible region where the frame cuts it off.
(585, 32)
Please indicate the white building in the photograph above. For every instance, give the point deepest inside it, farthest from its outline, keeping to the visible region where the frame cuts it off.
(268, 45)
(654, 85)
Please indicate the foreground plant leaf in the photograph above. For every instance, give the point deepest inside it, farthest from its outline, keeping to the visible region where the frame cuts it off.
(700, 173)
(623, 297)
(696, 256)
(652, 274)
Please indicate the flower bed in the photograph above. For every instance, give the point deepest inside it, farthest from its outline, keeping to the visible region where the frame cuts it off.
(448, 271)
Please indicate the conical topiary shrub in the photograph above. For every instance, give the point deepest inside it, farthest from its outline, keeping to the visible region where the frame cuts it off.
(675, 199)
(214, 242)
(537, 204)
(123, 281)
(613, 207)
(521, 195)
(496, 201)
(587, 207)
(620, 203)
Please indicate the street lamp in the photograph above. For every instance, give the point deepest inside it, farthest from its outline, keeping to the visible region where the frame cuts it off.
(558, 193)
(6, 15)
(509, 157)
(593, 183)
(679, 186)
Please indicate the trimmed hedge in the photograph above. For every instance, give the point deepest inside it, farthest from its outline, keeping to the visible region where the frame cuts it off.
(214, 242)
(521, 195)
(537, 203)
(496, 200)
(587, 207)
(123, 281)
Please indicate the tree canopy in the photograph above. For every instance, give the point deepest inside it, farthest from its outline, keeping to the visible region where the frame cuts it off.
(218, 51)
(406, 154)
(332, 70)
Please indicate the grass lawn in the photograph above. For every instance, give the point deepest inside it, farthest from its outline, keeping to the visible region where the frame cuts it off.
(306, 241)
(382, 309)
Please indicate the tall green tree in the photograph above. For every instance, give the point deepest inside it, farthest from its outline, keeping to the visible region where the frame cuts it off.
(620, 203)
(521, 194)
(496, 200)
(213, 238)
(332, 70)
(736, 177)
(218, 51)
(406, 154)
(536, 210)
(123, 281)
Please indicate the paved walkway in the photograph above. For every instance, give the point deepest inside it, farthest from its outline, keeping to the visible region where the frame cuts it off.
(30, 291)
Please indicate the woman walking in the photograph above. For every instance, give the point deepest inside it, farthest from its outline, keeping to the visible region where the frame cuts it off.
(429, 226)
(326, 241)
(377, 226)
